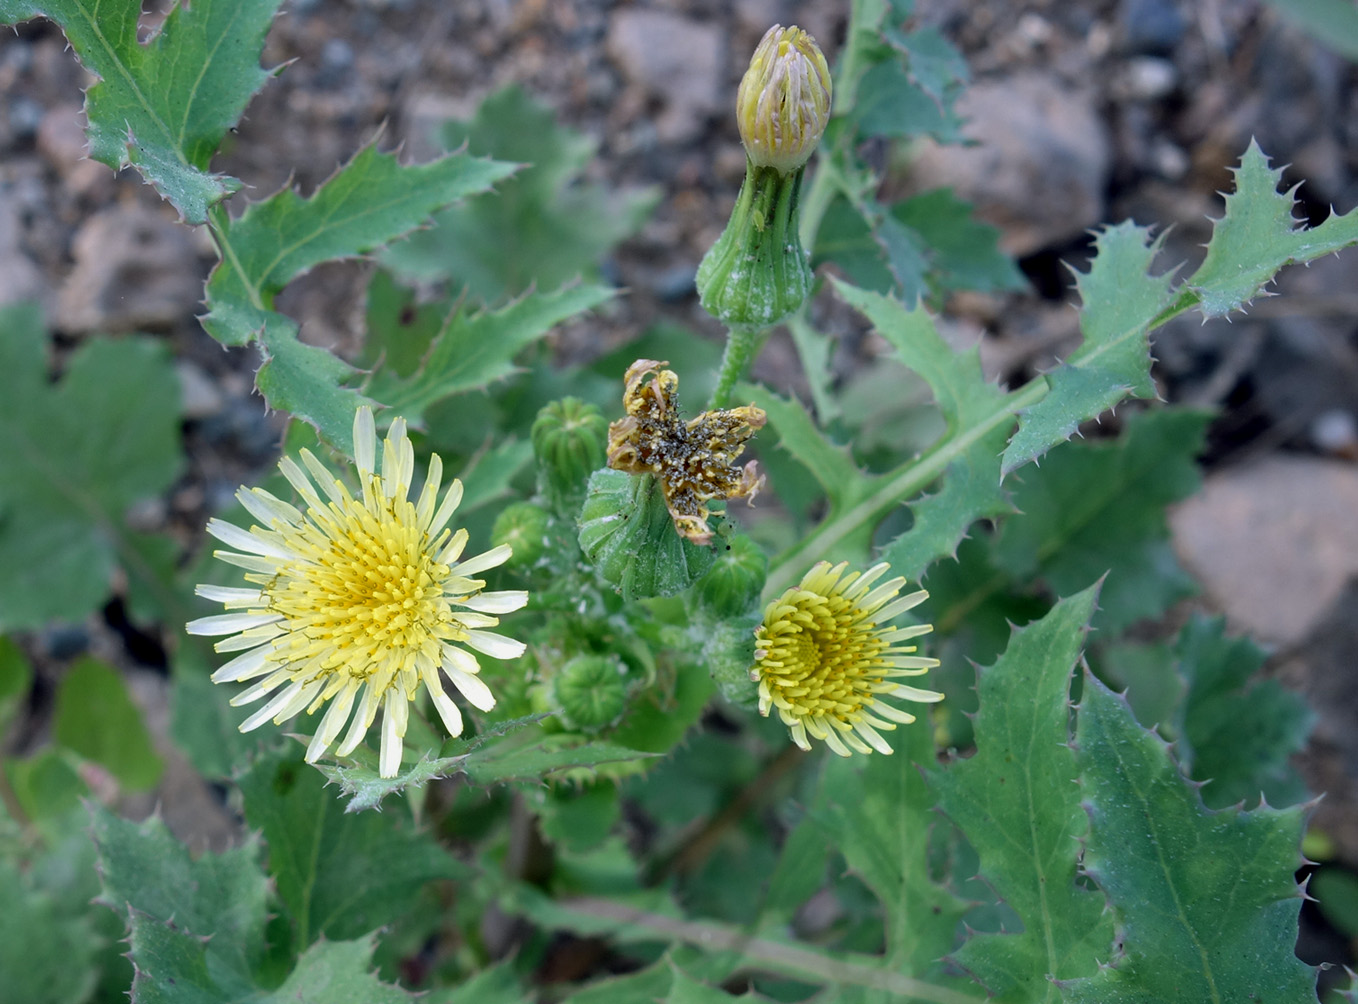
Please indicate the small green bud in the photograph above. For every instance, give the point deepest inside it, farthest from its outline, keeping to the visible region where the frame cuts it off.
(568, 440)
(628, 535)
(732, 585)
(591, 691)
(523, 526)
(783, 102)
(728, 653)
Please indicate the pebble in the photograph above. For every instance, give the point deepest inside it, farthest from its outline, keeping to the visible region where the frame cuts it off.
(1038, 166)
(678, 62)
(1150, 26)
(129, 274)
(1273, 543)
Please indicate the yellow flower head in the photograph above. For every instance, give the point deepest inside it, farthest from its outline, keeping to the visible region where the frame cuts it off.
(826, 658)
(694, 460)
(359, 599)
(783, 102)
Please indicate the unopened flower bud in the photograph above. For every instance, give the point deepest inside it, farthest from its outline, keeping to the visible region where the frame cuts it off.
(591, 691)
(732, 585)
(523, 526)
(758, 273)
(784, 100)
(568, 441)
(627, 534)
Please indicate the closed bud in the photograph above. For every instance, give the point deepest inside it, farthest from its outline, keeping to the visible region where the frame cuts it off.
(728, 653)
(783, 102)
(568, 440)
(523, 526)
(732, 585)
(591, 691)
(757, 273)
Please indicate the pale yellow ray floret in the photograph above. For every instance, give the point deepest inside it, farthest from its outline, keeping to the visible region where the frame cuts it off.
(357, 602)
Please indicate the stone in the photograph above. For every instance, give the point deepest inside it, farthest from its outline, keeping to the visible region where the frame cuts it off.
(1039, 166)
(1273, 543)
(675, 61)
(20, 278)
(134, 269)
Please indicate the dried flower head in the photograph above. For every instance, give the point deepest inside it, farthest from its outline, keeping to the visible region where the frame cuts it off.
(357, 600)
(826, 658)
(694, 461)
(783, 102)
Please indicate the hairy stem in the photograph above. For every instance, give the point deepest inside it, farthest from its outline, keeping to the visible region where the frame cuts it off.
(762, 953)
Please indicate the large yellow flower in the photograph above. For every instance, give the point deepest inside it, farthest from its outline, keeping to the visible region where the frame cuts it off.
(357, 599)
(826, 658)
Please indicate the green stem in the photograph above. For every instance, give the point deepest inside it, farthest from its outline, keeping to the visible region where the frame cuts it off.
(762, 953)
(904, 483)
(742, 345)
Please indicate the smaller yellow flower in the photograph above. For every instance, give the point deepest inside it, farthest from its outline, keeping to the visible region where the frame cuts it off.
(783, 102)
(358, 601)
(826, 658)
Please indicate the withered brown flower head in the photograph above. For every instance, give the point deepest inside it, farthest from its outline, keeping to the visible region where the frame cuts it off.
(694, 460)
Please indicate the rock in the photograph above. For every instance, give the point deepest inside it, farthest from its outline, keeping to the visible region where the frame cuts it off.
(61, 141)
(201, 396)
(1040, 164)
(20, 278)
(676, 61)
(134, 269)
(1150, 26)
(1274, 543)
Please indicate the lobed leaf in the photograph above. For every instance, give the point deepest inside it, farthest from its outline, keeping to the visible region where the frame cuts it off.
(340, 972)
(545, 225)
(340, 875)
(1016, 805)
(164, 104)
(476, 348)
(977, 414)
(1205, 902)
(46, 953)
(1121, 301)
(76, 455)
(1232, 731)
(880, 816)
(1098, 508)
(1257, 236)
(197, 926)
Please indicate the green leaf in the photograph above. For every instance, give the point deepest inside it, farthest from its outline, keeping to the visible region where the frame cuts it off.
(1099, 507)
(197, 925)
(369, 202)
(831, 464)
(338, 972)
(16, 676)
(96, 718)
(970, 407)
(961, 251)
(46, 953)
(891, 105)
(166, 103)
(1333, 23)
(1205, 902)
(340, 875)
(202, 722)
(1257, 236)
(1122, 301)
(76, 455)
(492, 985)
(1016, 804)
(476, 348)
(1234, 732)
(544, 226)
(366, 204)
(880, 816)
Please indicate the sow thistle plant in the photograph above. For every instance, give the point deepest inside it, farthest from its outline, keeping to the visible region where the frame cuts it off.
(653, 676)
